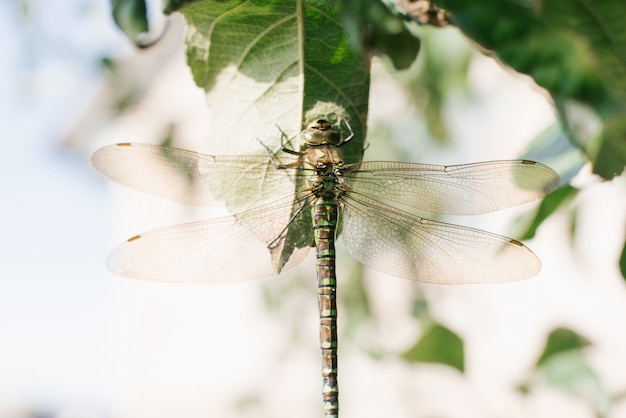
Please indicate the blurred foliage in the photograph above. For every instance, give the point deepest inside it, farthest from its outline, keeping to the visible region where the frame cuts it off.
(564, 366)
(355, 298)
(547, 207)
(554, 149)
(437, 344)
(435, 75)
(424, 11)
(575, 52)
(374, 29)
(622, 262)
(560, 340)
(131, 17)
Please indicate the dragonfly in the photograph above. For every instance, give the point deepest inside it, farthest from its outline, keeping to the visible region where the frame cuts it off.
(284, 203)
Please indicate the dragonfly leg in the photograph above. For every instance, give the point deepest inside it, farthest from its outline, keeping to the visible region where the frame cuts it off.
(349, 138)
(283, 147)
(276, 164)
(274, 243)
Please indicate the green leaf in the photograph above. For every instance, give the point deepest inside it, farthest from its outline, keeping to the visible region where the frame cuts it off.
(570, 372)
(530, 45)
(375, 28)
(564, 367)
(611, 155)
(131, 17)
(600, 24)
(577, 51)
(268, 63)
(565, 371)
(559, 341)
(269, 66)
(438, 345)
(547, 207)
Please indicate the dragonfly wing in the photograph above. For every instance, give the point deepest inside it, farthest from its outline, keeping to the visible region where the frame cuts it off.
(229, 249)
(408, 246)
(466, 189)
(195, 179)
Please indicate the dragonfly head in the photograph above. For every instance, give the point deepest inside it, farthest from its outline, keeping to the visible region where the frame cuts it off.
(321, 132)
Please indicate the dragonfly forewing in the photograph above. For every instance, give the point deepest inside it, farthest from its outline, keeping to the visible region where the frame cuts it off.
(197, 179)
(405, 245)
(467, 189)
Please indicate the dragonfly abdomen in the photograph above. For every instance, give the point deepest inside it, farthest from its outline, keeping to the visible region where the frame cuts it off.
(325, 224)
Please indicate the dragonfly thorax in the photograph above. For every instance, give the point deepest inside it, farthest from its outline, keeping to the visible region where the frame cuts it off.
(328, 182)
(320, 132)
(322, 144)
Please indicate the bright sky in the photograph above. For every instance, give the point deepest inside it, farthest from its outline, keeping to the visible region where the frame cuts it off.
(54, 295)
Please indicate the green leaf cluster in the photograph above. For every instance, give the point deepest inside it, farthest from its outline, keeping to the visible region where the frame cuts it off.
(288, 62)
(575, 50)
(563, 365)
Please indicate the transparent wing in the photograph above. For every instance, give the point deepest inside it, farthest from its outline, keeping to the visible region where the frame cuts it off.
(249, 245)
(197, 179)
(466, 189)
(408, 246)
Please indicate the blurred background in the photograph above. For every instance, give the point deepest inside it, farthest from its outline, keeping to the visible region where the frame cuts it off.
(79, 342)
